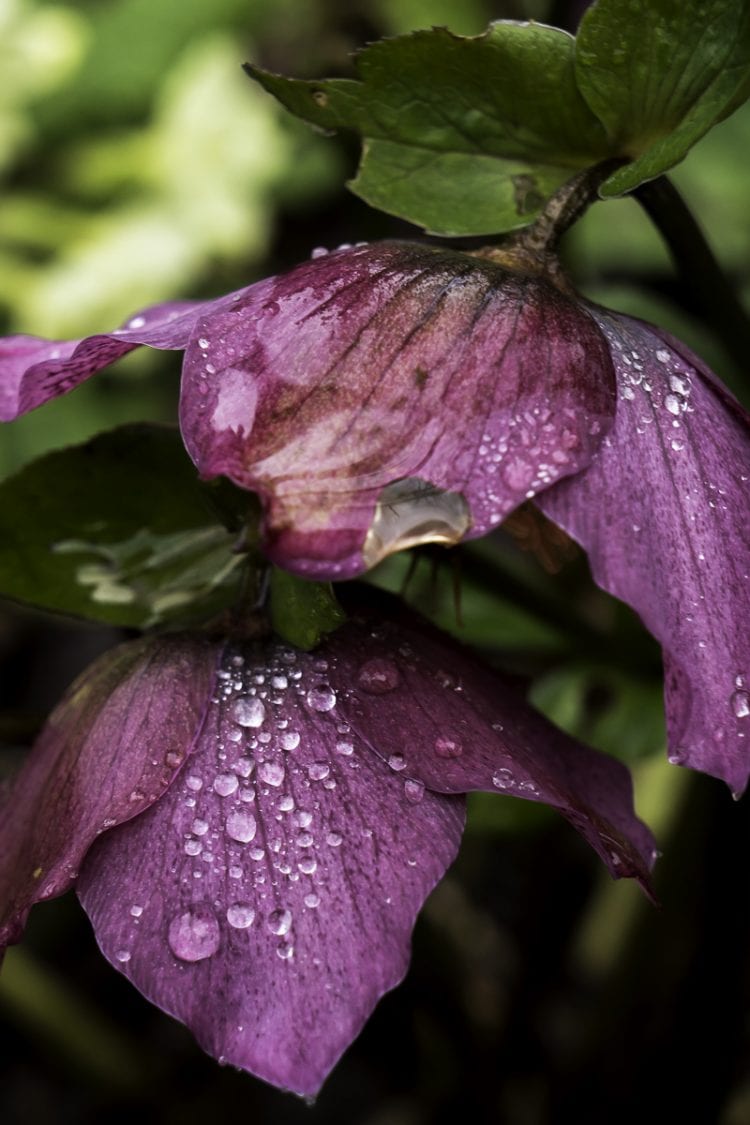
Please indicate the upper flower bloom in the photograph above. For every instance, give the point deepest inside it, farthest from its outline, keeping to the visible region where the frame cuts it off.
(382, 396)
(253, 829)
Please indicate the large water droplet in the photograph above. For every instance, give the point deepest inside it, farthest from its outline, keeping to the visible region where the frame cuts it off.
(273, 773)
(448, 748)
(241, 826)
(240, 915)
(413, 511)
(414, 791)
(502, 779)
(194, 935)
(225, 784)
(378, 676)
(322, 698)
(279, 922)
(248, 712)
(740, 701)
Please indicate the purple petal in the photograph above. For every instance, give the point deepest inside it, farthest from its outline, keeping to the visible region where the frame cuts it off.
(33, 370)
(664, 512)
(92, 766)
(456, 726)
(387, 395)
(267, 900)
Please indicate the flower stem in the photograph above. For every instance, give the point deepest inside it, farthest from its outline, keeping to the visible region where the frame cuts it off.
(705, 282)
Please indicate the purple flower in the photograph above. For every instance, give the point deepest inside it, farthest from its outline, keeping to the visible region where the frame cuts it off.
(383, 396)
(253, 830)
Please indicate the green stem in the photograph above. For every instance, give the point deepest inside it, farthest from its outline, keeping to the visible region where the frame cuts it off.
(703, 278)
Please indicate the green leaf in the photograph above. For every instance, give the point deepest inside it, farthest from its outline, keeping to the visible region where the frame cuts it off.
(659, 74)
(461, 135)
(303, 612)
(120, 530)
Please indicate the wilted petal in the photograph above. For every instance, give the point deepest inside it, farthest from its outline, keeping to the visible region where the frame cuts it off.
(447, 722)
(33, 370)
(267, 900)
(664, 512)
(108, 751)
(325, 388)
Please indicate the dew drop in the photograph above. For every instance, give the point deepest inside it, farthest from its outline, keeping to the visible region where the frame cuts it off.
(285, 950)
(317, 771)
(414, 791)
(334, 839)
(199, 827)
(279, 922)
(322, 698)
(308, 865)
(289, 739)
(248, 712)
(136, 911)
(194, 783)
(123, 956)
(241, 826)
(225, 784)
(740, 701)
(346, 749)
(448, 748)
(378, 676)
(194, 935)
(240, 915)
(193, 847)
(672, 404)
(312, 900)
(273, 773)
(397, 762)
(503, 779)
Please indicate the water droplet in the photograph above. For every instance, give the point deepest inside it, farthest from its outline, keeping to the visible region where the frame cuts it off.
(273, 773)
(334, 839)
(345, 748)
(318, 770)
(397, 762)
(414, 791)
(448, 748)
(248, 712)
(225, 784)
(136, 911)
(199, 827)
(286, 803)
(312, 900)
(672, 404)
(378, 676)
(241, 826)
(194, 935)
(194, 783)
(202, 342)
(289, 740)
(740, 701)
(322, 698)
(174, 759)
(123, 956)
(240, 915)
(308, 865)
(285, 950)
(193, 847)
(279, 922)
(502, 779)
(663, 356)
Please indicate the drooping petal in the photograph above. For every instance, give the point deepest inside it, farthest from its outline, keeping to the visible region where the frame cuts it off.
(456, 726)
(664, 513)
(93, 767)
(34, 370)
(391, 394)
(267, 900)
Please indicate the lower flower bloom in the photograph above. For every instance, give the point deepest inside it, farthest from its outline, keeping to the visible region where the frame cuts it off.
(253, 830)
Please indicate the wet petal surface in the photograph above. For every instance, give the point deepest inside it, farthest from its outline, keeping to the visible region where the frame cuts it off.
(34, 370)
(268, 899)
(664, 512)
(108, 751)
(393, 394)
(457, 726)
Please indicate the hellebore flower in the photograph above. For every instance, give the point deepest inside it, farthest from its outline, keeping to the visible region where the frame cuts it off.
(386, 395)
(253, 830)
